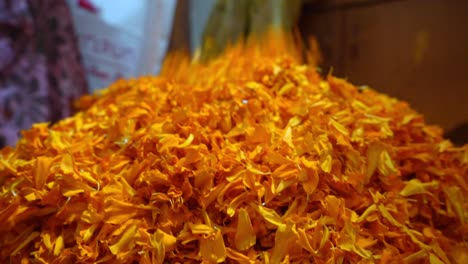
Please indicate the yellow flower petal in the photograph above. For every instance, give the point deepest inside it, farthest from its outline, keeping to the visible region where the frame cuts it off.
(245, 234)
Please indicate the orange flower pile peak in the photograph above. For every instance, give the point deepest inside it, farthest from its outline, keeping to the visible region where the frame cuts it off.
(250, 158)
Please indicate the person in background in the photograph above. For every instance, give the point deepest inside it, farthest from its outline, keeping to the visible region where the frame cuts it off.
(40, 69)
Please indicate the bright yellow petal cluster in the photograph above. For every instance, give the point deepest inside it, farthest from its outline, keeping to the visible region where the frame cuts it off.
(250, 158)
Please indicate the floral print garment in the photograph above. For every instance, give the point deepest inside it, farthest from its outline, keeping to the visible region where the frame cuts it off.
(40, 70)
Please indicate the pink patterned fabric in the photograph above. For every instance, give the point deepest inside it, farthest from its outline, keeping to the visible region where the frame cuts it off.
(40, 70)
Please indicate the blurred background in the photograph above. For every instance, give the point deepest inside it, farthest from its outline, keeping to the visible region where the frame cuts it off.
(53, 51)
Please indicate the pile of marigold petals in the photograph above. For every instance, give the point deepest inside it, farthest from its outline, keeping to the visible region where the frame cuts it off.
(250, 158)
